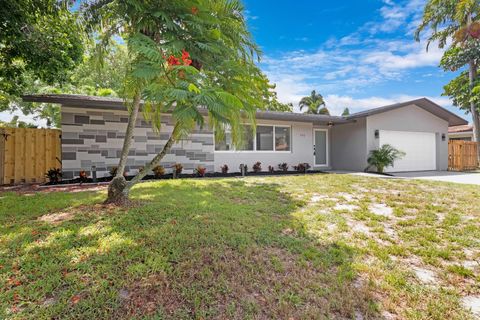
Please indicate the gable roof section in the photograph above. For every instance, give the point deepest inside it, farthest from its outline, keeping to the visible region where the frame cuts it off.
(424, 103)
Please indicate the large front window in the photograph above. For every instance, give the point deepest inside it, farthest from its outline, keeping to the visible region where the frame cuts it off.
(267, 138)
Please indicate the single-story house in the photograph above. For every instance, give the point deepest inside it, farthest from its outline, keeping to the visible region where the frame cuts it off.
(463, 132)
(93, 129)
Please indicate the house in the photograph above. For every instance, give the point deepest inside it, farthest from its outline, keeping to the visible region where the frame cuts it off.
(93, 129)
(463, 132)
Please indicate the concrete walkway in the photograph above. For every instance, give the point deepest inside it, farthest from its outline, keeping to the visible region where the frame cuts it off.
(446, 176)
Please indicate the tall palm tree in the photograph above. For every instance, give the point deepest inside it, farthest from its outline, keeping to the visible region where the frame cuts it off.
(314, 103)
(460, 20)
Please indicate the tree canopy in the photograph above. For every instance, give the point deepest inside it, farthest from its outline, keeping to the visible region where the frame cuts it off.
(39, 40)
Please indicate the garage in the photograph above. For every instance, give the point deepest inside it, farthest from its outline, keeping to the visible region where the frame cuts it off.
(420, 149)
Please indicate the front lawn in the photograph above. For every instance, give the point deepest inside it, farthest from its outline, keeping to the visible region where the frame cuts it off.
(299, 247)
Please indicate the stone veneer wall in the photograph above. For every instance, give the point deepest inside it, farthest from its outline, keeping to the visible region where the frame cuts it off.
(95, 137)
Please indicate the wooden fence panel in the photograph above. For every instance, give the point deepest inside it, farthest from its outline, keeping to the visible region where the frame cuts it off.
(26, 154)
(462, 155)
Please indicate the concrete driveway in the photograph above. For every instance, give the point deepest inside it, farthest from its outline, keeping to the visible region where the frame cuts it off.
(447, 176)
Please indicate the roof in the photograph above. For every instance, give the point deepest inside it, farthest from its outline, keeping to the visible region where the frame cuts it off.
(424, 103)
(84, 101)
(111, 103)
(464, 128)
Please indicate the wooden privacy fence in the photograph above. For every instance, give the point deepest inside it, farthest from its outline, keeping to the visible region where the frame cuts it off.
(462, 155)
(27, 154)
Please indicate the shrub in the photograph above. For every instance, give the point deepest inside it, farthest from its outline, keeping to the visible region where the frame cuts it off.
(257, 167)
(113, 172)
(158, 171)
(283, 166)
(383, 157)
(178, 168)
(271, 169)
(302, 167)
(201, 171)
(54, 175)
(83, 176)
(224, 169)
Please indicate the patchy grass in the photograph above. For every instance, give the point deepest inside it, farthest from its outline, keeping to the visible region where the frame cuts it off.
(319, 246)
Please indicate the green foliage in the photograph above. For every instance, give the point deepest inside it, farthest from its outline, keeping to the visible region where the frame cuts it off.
(218, 72)
(383, 157)
(314, 104)
(40, 40)
(346, 112)
(458, 90)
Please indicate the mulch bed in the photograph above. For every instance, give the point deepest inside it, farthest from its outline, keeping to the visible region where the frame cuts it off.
(75, 185)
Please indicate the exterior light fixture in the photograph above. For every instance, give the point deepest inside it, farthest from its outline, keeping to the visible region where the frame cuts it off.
(330, 124)
(443, 136)
(377, 134)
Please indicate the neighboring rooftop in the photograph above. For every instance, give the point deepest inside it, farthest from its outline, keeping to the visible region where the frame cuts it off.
(458, 129)
(84, 101)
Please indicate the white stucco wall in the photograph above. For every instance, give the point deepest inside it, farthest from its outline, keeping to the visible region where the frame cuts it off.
(410, 118)
(301, 150)
(349, 146)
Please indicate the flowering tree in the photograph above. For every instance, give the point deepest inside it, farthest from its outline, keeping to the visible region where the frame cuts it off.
(193, 59)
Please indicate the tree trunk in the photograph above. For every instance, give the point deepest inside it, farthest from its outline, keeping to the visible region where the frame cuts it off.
(156, 160)
(117, 192)
(472, 75)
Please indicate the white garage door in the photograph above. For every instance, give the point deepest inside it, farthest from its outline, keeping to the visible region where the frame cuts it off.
(419, 148)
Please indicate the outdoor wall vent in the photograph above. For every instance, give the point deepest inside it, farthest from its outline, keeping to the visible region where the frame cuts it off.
(377, 134)
(443, 136)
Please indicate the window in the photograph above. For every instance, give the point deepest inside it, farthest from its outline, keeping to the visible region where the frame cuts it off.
(248, 140)
(225, 144)
(282, 138)
(267, 138)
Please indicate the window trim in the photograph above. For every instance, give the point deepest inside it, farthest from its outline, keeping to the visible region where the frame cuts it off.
(255, 141)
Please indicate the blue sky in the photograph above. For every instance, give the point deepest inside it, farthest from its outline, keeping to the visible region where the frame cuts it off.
(357, 54)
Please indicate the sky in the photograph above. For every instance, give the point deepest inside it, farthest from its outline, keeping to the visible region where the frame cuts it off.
(358, 54)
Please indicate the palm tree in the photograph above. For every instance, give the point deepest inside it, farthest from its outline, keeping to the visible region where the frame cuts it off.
(458, 20)
(313, 104)
(346, 112)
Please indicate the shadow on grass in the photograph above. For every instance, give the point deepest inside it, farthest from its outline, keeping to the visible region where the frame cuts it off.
(195, 249)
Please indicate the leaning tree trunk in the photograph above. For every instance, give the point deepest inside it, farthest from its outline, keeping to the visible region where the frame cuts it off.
(472, 75)
(121, 187)
(118, 183)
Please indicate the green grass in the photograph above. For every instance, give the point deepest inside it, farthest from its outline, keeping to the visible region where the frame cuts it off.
(242, 249)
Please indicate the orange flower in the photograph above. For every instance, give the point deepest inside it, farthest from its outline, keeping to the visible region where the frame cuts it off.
(173, 61)
(194, 10)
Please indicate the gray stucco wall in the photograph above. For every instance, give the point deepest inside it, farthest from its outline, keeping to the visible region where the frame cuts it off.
(349, 145)
(95, 137)
(410, 118)
(301, 150)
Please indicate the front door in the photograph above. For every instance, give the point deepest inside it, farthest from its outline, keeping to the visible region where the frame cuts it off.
(321, 147)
